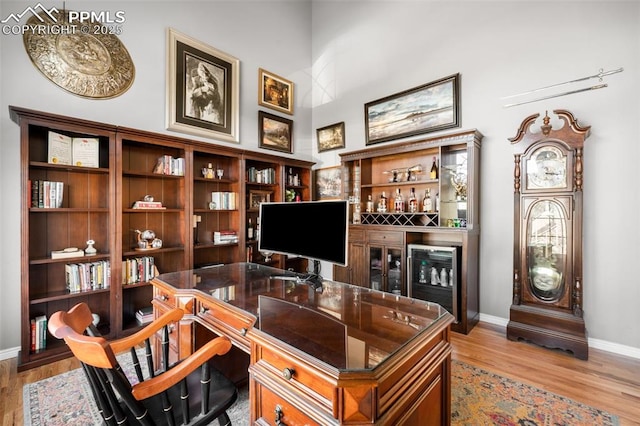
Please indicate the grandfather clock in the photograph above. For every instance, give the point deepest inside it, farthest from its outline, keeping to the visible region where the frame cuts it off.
(547, 252)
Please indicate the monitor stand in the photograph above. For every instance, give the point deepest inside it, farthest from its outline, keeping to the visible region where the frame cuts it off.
(314, 280)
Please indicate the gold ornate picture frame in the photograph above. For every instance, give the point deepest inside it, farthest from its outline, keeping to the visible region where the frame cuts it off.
(275, 92)
(203, 89)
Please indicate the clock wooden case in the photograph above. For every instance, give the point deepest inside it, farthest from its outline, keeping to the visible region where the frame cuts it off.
(547, 255)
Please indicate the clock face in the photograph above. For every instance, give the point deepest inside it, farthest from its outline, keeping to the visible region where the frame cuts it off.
(547, 168)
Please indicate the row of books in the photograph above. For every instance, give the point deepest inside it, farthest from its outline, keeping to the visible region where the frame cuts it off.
(66, 150)
(267, 175)
(223, 200)
(46, 194)
(38, 333)
(225, 237)
(87, 276)
(168, 165)
(138, 269)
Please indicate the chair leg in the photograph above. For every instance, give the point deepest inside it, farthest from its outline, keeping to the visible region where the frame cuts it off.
(224, 420)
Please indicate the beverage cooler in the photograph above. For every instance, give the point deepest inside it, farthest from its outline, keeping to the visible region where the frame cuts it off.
(433, 275)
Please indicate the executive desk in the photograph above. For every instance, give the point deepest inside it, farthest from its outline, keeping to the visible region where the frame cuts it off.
(339, 354)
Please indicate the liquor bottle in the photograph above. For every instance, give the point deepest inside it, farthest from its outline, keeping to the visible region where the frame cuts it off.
(438, 202)
(413, 201)
(382, 203)
(290, 177)
(427, 204)
(433, 174)
(369, 208)
(398, 202)
(250, 230)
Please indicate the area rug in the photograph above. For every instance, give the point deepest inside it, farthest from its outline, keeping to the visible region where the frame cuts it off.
(478, 397)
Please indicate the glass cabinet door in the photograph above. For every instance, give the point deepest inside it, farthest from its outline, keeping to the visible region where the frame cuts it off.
(386, 269)
(546, 242)
(394, 268)
(453, 187)
(375, 268)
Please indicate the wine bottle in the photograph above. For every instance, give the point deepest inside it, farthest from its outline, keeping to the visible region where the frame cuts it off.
(438, 202)
(369, 208)
(382, 203)
(433, 174)
(250, 230)
(413, 201)
(398, 203)
(427, 203)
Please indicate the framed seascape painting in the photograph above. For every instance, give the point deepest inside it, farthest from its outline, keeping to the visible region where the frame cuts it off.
(202, 90)
(428, 108)
(275, 132)
(328, 183)
(275, 92)
(330, 137)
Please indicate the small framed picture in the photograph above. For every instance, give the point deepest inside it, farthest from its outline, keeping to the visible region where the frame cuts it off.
(330, 137)
(275, 92)
(275, 132)
(257, 197)
(328, 183)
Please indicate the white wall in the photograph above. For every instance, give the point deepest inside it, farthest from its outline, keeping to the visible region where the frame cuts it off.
(274, 35)
(364, 51)
(342, 55)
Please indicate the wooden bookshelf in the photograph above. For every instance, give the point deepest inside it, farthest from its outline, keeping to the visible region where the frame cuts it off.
(98, 205)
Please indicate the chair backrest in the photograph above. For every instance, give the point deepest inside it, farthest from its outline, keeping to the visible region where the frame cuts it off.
(116, 396)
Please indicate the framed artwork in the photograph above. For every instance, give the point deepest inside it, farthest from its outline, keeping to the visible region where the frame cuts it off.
(275, 92)
(328, 183)
(202, 90)
(257, 197)
(330, 137)
(423, 109)
(275, 132)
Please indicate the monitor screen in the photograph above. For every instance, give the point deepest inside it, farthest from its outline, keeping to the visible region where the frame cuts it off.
(316, 230)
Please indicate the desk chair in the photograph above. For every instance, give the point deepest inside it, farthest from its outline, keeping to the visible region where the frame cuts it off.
(190, 392)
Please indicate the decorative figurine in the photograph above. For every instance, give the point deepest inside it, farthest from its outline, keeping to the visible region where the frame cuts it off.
(208, 171)
(147, 240)
(90, 250)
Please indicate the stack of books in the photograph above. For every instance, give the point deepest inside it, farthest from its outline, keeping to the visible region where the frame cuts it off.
(225, 237)
(144, 315)
(147, 205)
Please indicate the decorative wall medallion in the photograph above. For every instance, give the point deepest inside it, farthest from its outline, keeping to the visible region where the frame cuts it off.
(83, 59)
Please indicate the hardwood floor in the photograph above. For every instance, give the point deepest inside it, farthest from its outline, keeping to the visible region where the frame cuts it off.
(607, 381)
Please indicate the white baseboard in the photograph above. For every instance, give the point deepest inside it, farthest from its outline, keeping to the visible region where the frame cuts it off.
(593, 343)
(9, 353)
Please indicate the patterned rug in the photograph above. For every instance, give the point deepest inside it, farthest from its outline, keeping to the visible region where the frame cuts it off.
(478, 397)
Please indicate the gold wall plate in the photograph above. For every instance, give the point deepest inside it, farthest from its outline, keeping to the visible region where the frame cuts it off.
(81, 58)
